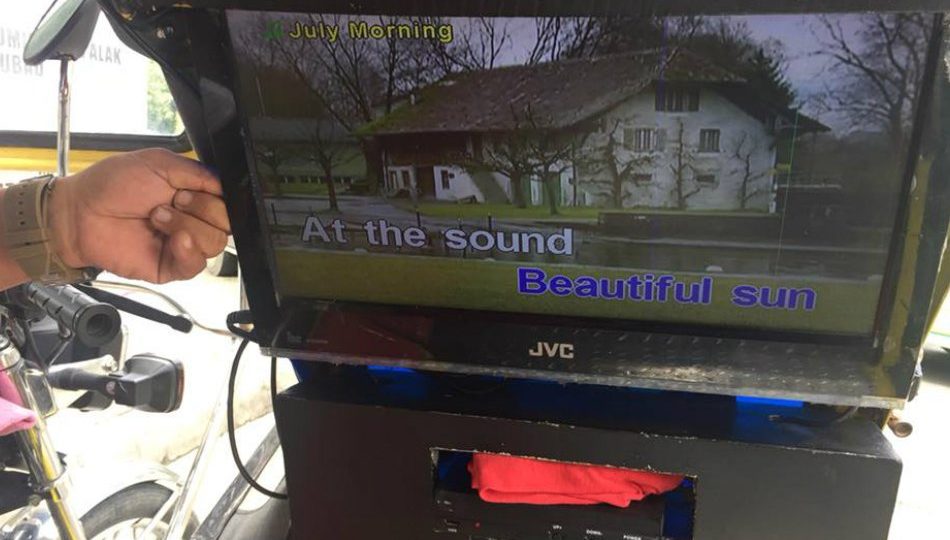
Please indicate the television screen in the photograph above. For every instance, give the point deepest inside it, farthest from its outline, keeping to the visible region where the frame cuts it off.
(741, 170)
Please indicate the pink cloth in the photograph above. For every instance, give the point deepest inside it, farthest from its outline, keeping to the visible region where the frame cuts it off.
(13, 417)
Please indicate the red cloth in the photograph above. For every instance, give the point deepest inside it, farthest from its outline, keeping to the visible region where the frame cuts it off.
(509, 479)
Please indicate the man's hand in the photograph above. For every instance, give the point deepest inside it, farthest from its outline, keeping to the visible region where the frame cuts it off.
(150, 215)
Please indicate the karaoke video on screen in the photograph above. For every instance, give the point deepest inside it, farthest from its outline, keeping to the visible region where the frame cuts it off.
(741, 170)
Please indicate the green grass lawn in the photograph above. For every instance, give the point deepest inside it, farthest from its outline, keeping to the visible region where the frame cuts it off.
(301, 189)
(675, 212)
(507, 211)
(501, 211)
(842, 306)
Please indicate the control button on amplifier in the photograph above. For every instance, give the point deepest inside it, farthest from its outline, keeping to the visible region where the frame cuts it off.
(452, 525)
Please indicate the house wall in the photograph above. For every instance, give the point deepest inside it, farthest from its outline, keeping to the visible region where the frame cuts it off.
(399, 177)
(447, 152)
(567, 188)
(534, 192)
(407, 157)
(715, 112)
(565, 193)
(504, 182)
(461, 185)
(537, 193)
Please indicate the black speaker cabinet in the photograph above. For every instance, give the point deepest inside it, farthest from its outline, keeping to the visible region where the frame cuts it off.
(380, 454)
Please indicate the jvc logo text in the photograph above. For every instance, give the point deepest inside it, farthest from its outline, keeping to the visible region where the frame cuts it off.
(564, 351)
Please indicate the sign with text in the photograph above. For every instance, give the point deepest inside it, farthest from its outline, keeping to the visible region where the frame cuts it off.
(113, 88)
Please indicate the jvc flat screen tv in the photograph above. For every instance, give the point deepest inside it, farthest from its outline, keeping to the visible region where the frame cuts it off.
(431, 180)
(740, 170)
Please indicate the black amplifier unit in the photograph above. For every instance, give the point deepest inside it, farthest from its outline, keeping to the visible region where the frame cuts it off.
(460, 513)
(376, 454)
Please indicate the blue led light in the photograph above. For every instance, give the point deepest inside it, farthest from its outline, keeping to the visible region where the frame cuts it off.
(391, 369)
(750, 400)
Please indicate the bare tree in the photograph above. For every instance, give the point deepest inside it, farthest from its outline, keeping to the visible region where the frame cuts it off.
(353, 81)
(744, 147)
(531, 150)
(598, 36)
(477, 45)
(508, 155)
(548, 35)
(553, 153)
(618, 163)
(682, 167)
(730, 43)
(325, 150)
(877, 71)
(271, 156)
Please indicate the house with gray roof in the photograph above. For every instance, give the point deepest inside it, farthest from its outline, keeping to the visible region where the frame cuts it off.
(650, 129)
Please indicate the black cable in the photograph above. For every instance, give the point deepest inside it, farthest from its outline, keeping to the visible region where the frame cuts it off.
(230, 417)
(167, 299)
(273, 359)
(237, 318)
(273, 382)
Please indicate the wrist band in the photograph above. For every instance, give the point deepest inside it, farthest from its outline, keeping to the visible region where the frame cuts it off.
(26, 234)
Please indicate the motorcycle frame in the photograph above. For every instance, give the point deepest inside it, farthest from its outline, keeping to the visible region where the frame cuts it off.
(69, 496)
(47, 471)
(60, 517)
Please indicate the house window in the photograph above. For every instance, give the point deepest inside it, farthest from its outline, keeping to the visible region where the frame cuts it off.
(706, 179)
(446, 178)
(640, 139)
(642, 178)
(709, 140)
(392, 180)
(676, 99)
(405, 179)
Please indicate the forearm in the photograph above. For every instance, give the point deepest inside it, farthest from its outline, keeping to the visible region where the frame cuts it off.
(10, 272)
(148, 215)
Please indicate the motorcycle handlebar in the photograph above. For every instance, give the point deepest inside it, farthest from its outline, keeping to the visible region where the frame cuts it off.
(93, 323)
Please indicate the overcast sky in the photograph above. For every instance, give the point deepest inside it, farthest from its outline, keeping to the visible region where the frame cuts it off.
(798, 34)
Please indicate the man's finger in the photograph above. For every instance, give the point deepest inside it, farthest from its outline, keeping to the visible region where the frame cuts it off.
(208, 240)
(180, 258)
(179, 171)
(204, 206)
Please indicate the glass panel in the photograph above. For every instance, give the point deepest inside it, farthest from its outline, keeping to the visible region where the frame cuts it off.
(779, 216)
(114, 89)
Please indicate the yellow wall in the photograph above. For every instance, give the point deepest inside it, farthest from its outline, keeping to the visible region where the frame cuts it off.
(44, 159)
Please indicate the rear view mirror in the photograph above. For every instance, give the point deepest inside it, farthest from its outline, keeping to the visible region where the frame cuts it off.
(147, 383)
(151, 384)
(64, 31)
